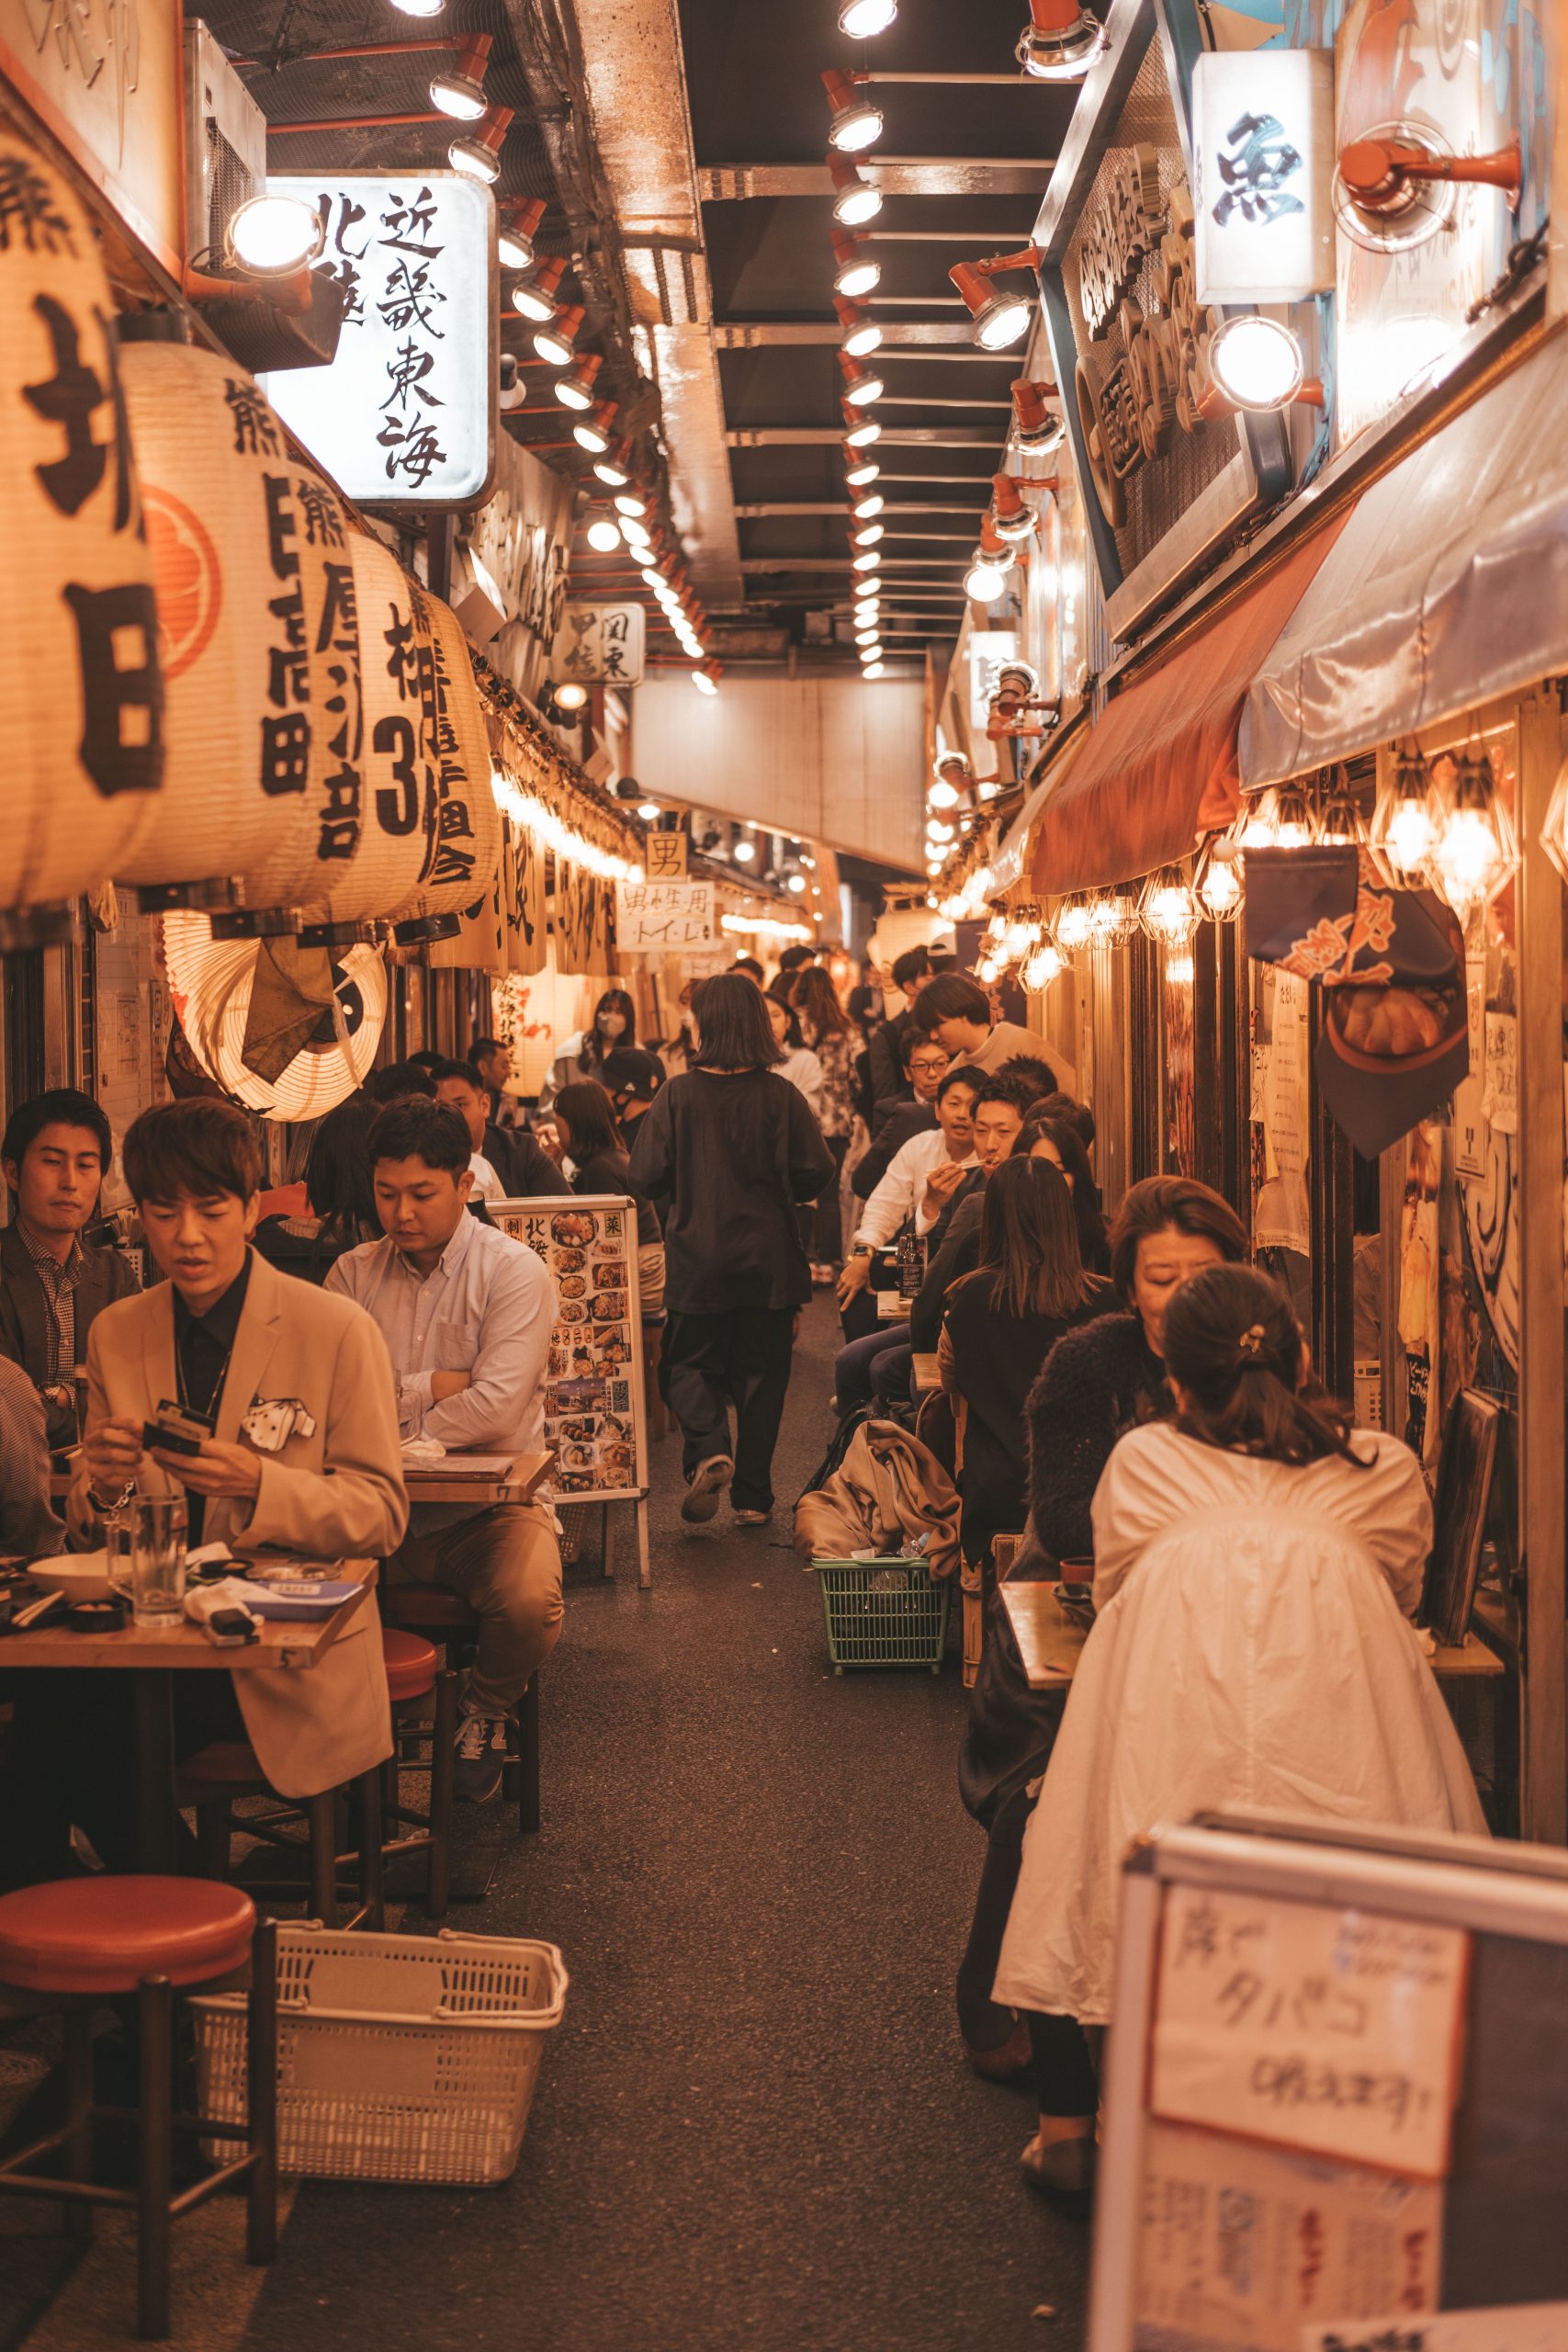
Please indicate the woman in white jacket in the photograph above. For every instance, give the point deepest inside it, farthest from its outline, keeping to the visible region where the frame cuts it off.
(1258, 1563)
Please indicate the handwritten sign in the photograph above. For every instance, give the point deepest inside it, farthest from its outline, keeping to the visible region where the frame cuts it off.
(1314, 2027)
(657, 916)
(106, 77)
(1517, 2327)
(1247, 2247)
(665, 856)
(602, 645)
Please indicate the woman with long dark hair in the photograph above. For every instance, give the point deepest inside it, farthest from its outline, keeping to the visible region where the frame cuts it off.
(1057, 1141)
(835, 1040)
(1258, 1561)
(591, 1139)
(340, 1199)
(735, 1149)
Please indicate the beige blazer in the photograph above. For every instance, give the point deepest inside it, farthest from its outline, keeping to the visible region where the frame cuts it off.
(338, 1495)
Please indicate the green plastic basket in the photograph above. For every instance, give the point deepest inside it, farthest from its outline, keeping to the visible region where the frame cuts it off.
(883, 1613)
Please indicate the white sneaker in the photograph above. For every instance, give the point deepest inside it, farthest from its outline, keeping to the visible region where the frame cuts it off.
(705, 1485)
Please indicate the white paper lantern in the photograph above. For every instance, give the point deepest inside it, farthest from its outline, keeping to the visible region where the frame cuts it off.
(455, 752)
(210, 981)
(81, 688)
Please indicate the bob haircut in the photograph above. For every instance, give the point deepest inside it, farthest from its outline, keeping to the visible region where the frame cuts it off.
(337, 1174)
(1087, 1216)
(593, 1047)
(588, 1115)
(62, 1106)
(192, 1150)
(416, 1128)
(952, 996)
(733, 1027)
(1171, 1205)
(1234, 1348)
(1029, 1244)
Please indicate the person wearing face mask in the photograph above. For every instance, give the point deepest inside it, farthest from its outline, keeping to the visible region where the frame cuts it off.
(612, 1029)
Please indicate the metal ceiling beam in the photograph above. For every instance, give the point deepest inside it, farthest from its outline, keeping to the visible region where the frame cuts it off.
(922, 339)
(825, 436)
(839, 506)
(894, 174)
(840, 563)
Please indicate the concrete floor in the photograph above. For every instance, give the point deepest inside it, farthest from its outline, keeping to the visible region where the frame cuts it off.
(755, 2126)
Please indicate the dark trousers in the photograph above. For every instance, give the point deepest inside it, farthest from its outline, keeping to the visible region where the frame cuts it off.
(854, 1367)
(1064, 2081)
(743, 1360)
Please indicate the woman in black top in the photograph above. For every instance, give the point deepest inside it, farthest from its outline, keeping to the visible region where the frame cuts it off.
(1047, 1136)
(338, 1190)
(735, 1149)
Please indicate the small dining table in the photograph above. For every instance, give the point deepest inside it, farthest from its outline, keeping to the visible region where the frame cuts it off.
(481, 1480)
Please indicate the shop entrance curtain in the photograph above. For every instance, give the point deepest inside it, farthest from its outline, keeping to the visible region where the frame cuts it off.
(1449, 586)
(1160, 767)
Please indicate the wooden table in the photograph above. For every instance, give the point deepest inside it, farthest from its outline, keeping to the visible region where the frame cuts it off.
(1029, 1607)
(1471, 1659)
(154, 1655)
(927, 1375)
(446, 1481)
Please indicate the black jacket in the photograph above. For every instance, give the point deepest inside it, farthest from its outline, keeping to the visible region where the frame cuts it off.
(733, 1156)
(1094, 1386)
(896, 1118)
(997, 1357)
(24, 1317)
(522, 1164)
(953, 1249)
(885, 1049)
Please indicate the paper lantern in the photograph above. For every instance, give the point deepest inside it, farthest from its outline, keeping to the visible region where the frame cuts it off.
(394, 842)
(254, 574)
(81, 687)
(455, 751)
(212, 982)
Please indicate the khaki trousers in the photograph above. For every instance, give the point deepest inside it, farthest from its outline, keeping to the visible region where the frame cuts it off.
(505, 1563)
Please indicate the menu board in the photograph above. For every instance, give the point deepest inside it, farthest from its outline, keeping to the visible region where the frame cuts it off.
(594, 1413)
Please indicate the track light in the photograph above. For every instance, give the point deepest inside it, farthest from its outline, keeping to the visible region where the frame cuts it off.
(635, 532)
(593, 433)
(1257, 364)
(867, 635)
(861, 333)
(862, 429)
(872, 650)
(603, 536)
(855, 200)
(576, 389)
(874, 670)
(856, 272)
(1009, 517)
(863, 19)
(652, 579)
(1060, 42)
(858, 468)
(614, 467)
(460, 90)
(272, 236)
(1036, 428)
(864, 508)
(999, 319)
(535, 296)
(856, 123)
(570, 694)
(867, 559)
(867, 535)
(516, 228)
(555, 341)
(419, 7)
(861, 385)
(986, 577)
(632, 503)
(477, 153)
(707, 677)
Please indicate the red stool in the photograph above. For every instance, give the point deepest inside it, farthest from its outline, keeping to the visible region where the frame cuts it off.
(414, 1673)
(212, 1781)
(76, 1944)
(442, 1617)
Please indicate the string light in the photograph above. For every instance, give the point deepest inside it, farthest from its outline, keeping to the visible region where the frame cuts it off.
(765, 926)
(531, 814)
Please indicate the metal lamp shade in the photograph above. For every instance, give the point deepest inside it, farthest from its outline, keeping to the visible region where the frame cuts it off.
(81, 686)
(211, 983)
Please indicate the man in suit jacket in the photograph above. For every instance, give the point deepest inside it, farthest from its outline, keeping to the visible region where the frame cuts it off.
(229, 1336)
(55, 1154)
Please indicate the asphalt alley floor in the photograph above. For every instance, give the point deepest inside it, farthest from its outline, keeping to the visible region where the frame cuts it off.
(755, 2126)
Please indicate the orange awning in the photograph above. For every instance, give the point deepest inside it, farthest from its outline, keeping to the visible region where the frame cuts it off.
(1160, 768)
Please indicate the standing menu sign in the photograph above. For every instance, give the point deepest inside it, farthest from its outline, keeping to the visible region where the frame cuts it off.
(595, 1410)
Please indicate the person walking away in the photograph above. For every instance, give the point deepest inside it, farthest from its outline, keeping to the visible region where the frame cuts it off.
(592, 1141)
(835, 1040)
(340, 1203)
(735, 1150)
(465, 1314)
(1257, 1564)
(956, 1011)
(56, 1151)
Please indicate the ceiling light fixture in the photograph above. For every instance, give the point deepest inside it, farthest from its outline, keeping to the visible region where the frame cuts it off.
(864, 508)
(857, 272)
(860, 430)
(868, 635)
(867, 535)
(874, 670)
(861, 334)
(858, 469)
(863, 19)
(614, 468)
(604, 536)
(861, 385)
(856, 122)
(593, 433)
(1008, 517)
(986, 577)
(637, 534)
(272, 236)
(1257, 364)
(1060, 42)
(648, 810)
(705, 679)
(867, 559)
(516, 228)
(632, 503)
(554, 342)
(535, 296)
(855, 199)
(460, 89)
(477, 153)
(744, 851)
(1218, 884)
(570, 694)
(576, 389)
(1036, 428)
(419, 7)
(999, 319)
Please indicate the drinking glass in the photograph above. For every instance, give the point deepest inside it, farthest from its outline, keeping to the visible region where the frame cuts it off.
(157, 1525)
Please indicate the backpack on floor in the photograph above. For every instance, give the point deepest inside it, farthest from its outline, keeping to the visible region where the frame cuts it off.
(838, 1446)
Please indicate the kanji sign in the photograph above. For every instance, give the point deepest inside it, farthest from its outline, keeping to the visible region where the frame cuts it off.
(601, 645)
(104, 76)
(406, 413)
(664, 856)
(1262, 152)
(656, 917)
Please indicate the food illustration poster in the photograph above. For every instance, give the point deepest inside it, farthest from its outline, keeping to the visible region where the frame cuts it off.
(591, 1387)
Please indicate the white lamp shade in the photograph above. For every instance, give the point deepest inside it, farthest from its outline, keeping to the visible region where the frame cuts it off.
(81, 687)
(455, 760)
(210, 982)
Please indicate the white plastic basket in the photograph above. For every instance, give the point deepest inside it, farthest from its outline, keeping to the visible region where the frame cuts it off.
(406, 2058)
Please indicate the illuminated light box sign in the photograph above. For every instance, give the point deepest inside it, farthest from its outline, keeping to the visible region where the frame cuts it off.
(601, 645)
(1263, 175)
(406, 413)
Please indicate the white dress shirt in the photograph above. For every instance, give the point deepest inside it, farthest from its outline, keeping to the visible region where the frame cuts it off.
(488, 1185)
(898, 1196)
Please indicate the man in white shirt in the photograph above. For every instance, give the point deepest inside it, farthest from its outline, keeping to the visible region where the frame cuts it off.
(467, 1314)
(922, 1178)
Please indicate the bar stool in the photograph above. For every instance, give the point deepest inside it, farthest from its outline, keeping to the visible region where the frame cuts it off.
(75, 1945)
(442, 1617)
(415, 1674)
(212, 1782)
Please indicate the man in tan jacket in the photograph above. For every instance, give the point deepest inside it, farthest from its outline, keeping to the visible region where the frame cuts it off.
(304, 1454)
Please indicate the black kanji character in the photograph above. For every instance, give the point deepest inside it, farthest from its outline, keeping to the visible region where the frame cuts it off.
(323, 515)
(410, 297)
(284, 753)
(70, 398)
(406, 370)
(255, 427)
(415, 452)
(122, 735)
(281, 526)
(413, 222)
(29, 206)
(349, 217)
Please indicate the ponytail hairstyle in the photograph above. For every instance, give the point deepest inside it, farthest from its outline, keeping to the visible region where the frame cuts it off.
(1232, 1344)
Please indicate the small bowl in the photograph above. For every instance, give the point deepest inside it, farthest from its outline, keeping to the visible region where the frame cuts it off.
(81, 1576)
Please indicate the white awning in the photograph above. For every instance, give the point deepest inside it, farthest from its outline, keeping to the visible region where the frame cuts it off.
(1448, 585)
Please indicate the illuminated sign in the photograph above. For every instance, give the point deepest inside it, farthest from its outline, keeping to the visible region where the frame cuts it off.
(1262, 134)
(406, 413)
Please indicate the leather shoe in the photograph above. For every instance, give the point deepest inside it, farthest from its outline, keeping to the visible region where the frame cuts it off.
(1007, 2062)
(1064, 2169)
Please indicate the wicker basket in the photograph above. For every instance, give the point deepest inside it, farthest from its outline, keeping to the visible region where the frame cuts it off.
(883, 1613)
(408, 2058)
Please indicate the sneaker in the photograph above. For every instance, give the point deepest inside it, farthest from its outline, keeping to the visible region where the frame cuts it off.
(481, 1753)
(752, 1517)
(705, 1485)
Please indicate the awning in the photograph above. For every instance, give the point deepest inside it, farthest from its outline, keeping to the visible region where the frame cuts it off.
(1449, 586)
(1160, 768)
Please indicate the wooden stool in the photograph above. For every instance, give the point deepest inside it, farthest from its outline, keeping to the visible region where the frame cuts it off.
(218, 1776)
(77, 1944)
(445, 1619)
(413, 1673)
